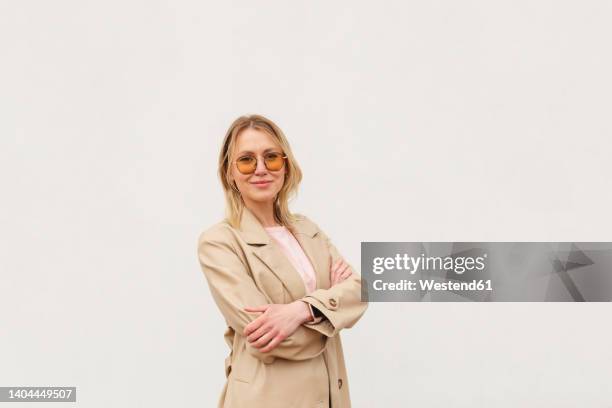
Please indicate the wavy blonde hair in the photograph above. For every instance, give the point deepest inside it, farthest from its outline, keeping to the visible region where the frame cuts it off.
(293, 177)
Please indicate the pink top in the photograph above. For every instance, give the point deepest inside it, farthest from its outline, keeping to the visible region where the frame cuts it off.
(292, 249)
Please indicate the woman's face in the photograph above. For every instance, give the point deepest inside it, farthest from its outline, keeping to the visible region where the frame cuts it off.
(262, 185)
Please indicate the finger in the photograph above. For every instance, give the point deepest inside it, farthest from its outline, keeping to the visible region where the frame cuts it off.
(342, 270)
(345, 267)
(272, 345)
(345, 273)
(336, 274)
(261, 308)
(257, 333)
(341, 265)
(264, 340)
(254, 325)
(333, 272)
(348, 272)
(345, 276)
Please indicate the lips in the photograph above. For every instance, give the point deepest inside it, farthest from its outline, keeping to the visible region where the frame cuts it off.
(261, 183)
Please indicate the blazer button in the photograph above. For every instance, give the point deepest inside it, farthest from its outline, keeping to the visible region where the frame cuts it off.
(339, 383)
(333, 302)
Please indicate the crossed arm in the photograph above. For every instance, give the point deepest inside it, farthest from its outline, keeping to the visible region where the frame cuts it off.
(291, 333)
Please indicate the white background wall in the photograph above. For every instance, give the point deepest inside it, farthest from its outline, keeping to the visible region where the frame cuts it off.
(422, 121)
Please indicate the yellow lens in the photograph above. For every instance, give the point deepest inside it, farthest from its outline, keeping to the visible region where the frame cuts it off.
(274, 161)
(246, 165)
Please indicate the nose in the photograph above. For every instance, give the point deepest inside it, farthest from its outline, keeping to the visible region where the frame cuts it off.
(261, 169)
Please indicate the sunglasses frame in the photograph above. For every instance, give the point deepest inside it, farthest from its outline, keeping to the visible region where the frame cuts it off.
(283, 156)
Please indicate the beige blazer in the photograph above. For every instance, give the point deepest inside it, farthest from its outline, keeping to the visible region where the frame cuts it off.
(245, 267)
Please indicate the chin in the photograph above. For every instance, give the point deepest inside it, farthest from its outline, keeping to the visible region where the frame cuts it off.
(262, 197)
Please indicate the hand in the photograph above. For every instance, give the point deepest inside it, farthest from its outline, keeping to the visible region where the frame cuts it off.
(277, 322)
(339, 271)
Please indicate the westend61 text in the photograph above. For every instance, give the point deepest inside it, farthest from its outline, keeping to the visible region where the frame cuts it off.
(430, 284)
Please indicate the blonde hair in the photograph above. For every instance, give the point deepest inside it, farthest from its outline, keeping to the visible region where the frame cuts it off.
(293, 176)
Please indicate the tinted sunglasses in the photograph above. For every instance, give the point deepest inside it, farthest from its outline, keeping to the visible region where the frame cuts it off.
(273, 161)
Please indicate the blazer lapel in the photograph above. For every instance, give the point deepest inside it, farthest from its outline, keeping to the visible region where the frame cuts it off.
(306, 236)
(268, 251)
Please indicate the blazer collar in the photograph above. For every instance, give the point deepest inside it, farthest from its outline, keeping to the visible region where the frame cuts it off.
(272, 256)
(253, 232)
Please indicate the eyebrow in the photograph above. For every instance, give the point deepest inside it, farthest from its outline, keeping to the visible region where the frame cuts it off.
(265, 151)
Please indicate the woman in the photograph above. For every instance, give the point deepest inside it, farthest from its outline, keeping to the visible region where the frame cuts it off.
(282, 286)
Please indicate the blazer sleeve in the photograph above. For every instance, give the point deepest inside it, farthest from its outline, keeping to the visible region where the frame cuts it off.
(341, 304)
(232, 289)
